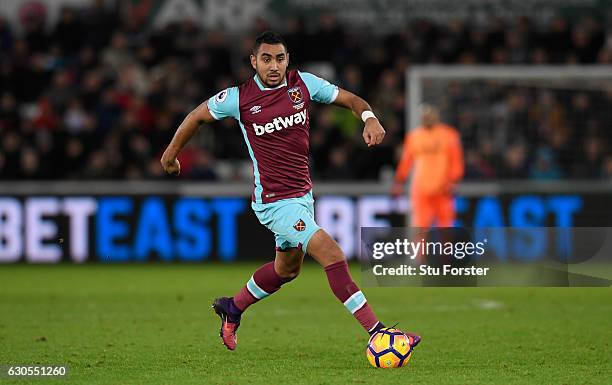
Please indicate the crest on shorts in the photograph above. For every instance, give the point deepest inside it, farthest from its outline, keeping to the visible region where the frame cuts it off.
(295, 94)
(300, 225)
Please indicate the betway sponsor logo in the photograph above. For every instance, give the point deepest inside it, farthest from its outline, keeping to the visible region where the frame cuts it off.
(280, 123)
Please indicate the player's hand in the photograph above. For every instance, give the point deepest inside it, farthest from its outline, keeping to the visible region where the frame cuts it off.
(171, 166)
(397, 189)
(373, 132)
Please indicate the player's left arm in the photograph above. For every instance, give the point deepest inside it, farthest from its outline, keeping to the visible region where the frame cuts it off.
(373, 132)
(403, 168)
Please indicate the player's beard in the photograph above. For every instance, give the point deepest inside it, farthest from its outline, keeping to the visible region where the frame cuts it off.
(274, 81)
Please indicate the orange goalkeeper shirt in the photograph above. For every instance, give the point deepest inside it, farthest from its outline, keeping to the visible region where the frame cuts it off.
(437, 157)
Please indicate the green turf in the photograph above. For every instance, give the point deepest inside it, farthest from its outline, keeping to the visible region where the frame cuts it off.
(151, 324)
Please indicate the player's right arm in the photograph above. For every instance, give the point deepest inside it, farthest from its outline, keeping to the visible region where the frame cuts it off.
(222, 105)
(403, 168)
(185, 131)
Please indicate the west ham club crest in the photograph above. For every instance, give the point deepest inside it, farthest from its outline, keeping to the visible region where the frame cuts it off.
(295, 94)
(300, 225)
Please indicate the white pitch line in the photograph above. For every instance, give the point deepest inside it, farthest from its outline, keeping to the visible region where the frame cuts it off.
(488, 304)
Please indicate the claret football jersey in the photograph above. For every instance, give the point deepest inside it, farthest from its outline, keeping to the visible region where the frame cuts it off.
(275, 126)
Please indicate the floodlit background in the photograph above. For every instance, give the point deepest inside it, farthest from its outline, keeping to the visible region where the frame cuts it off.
(94, 89)
(91, 92)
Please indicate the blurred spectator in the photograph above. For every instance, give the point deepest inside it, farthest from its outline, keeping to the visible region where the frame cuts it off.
(99, 94)
(545, 165)
(593, 156)
(9, 116)
(30, 163)
(202, 168)
(6, 36)
(69, 31)
(515, 163)
(339, 166)
(11, 143)
(607, 168)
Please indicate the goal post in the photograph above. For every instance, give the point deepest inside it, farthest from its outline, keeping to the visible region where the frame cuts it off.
(511, 111)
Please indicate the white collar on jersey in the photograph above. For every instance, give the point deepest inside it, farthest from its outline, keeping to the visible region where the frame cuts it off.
(261, 86)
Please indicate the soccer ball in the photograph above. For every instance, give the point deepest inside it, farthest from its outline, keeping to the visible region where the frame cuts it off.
(388, 348)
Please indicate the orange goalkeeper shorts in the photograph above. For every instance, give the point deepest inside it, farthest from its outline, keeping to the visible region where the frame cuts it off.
(430, 210)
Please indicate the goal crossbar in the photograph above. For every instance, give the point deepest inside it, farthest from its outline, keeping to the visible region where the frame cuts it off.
(415, 75)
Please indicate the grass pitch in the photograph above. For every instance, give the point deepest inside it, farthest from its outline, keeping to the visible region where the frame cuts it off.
(152, 324)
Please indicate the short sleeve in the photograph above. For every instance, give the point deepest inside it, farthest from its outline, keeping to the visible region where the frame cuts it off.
(225, 104)
(320, 90)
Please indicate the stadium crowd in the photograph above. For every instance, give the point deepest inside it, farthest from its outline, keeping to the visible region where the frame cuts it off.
(98, 96)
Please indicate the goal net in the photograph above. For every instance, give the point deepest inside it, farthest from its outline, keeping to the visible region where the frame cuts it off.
(522, 122)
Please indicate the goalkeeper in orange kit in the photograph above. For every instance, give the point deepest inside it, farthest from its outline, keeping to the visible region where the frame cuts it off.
(434, 151)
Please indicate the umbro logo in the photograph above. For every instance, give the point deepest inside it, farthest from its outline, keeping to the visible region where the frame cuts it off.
(300, 225)
(255, 110)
